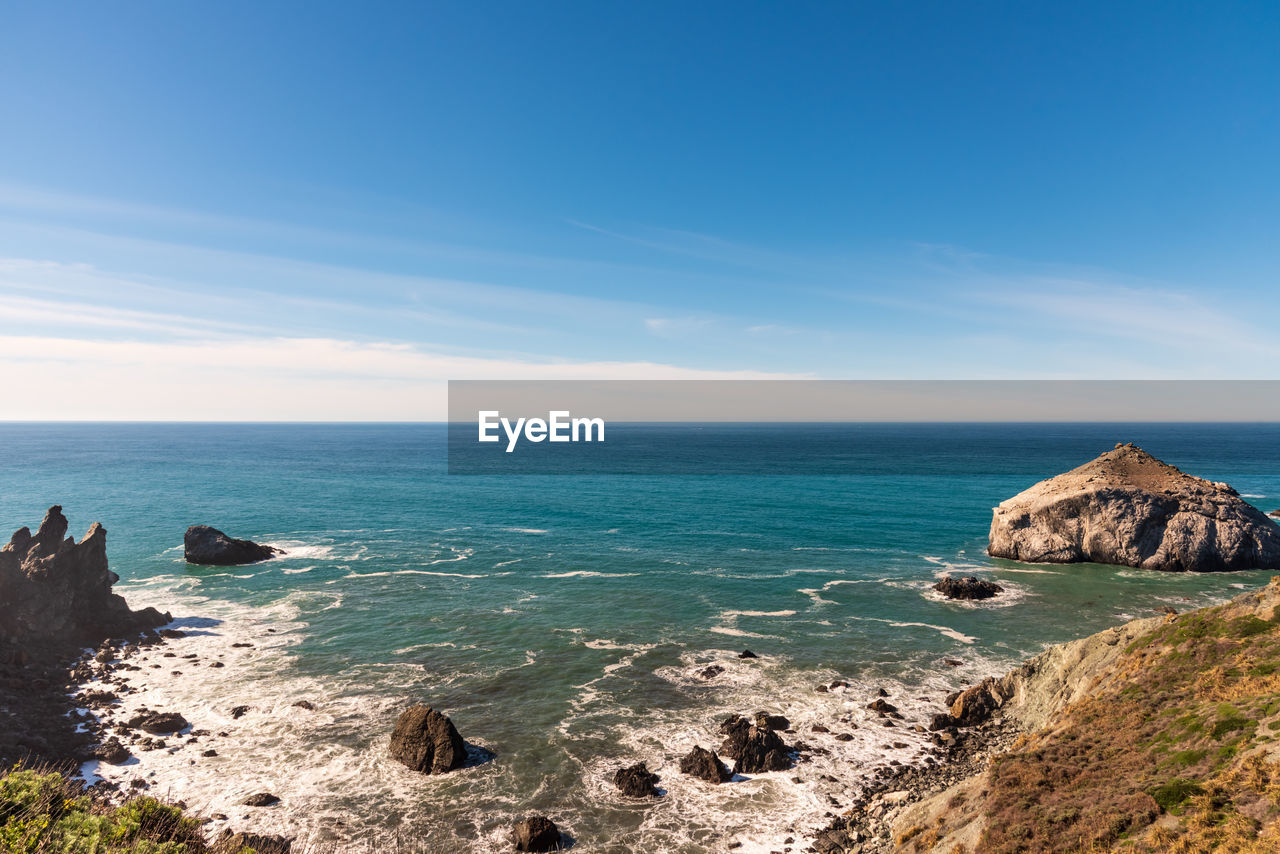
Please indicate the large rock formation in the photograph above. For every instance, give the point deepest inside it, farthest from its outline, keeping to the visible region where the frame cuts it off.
(753, 748)
(211, 547)
(53, 588)
(426, 741)
(1128, 508)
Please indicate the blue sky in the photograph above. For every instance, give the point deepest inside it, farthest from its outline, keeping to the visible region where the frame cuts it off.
(329, 209)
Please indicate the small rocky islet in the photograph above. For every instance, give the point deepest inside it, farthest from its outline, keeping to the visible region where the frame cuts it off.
(1128, 508)
(206, 546)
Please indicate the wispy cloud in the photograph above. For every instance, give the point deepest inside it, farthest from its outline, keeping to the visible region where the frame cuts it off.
(269, 378)
(1168, 321)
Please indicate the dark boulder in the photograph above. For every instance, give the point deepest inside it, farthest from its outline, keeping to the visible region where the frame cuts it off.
(159, 723)
(636, 781)
(746, 653)
(754, 749)
(426, 741)
(882, 707)
(976, 705)
(261, 799)
(256, 842)
(764, 720)
(833, 841)
(112, 752)
(971, 588)
(536, 833)
(710, 671)
(941, 721)
(705, 765)
(210, 547)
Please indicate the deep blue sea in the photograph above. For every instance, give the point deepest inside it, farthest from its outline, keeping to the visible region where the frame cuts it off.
(562, 621)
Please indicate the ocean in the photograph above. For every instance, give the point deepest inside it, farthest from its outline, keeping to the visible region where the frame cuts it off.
(563, 622)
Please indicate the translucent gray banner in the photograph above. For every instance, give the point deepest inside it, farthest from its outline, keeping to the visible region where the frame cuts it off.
(846, 427)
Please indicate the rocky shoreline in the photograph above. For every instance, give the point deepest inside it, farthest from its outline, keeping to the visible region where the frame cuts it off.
(64, 702)
(67, 643)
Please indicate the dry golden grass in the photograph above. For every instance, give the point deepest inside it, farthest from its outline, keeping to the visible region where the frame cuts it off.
(1174, 734)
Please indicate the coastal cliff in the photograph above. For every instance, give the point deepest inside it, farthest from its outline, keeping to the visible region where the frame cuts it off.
(1128, 508)
(1162, 734)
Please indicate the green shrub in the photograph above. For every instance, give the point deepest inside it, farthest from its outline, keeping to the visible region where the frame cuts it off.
(1171, 795)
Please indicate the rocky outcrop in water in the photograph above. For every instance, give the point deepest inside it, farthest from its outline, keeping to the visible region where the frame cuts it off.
(636, 781)
(1128, 508)
(536, 833)
(54, 588)
(210, 547)
(970, 588)
(753, 748)
(705, 765)
(426, 741)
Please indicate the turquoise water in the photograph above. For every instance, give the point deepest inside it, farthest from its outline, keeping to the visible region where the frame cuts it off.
(562, 621)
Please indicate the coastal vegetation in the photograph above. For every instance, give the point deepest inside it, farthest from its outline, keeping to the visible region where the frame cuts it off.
(1175, 752)
(43, 811)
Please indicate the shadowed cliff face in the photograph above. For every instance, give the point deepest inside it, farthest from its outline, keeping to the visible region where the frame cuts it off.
(1128, 508)
(53, 588)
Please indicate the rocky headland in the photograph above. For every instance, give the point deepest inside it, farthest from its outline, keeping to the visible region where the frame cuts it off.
(1128, 508)
(1162, 734)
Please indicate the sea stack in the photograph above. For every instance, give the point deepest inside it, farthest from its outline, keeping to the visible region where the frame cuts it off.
(53, 588)
(1128, 508)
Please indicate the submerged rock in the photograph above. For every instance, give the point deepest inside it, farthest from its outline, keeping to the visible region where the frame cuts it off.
(536, 833)
(1128, 508)
(967, 588)
(636, 781)
(705, 765)
(261, 799)
(210, 547)
(426, 741)
(57, 589)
